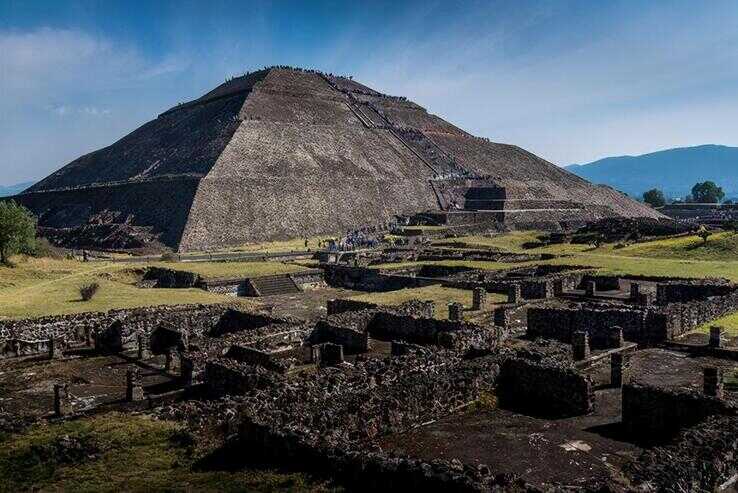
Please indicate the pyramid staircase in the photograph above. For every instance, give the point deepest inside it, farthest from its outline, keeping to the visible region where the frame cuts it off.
(273, 285)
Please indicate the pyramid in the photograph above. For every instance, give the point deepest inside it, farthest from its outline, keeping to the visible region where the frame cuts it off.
(283, 153)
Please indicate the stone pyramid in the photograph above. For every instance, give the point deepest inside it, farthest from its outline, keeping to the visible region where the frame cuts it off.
(284, 152)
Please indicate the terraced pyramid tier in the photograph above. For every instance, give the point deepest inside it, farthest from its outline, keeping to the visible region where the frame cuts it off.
(282, 153)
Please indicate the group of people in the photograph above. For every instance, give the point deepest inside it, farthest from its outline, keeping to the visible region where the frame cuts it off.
(353, 240)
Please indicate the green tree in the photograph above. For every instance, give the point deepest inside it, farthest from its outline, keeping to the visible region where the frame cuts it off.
(654, 198)
(707, 192)
(17, 230)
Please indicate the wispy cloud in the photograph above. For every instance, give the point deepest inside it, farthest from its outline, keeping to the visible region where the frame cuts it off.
(46, 62)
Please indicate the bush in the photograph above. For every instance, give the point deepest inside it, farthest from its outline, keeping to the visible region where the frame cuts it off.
(654, 198)
(88, 291)
(17, 230)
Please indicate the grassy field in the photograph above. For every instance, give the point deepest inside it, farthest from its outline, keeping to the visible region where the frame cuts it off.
(720, 246)
(215, 270)
(682, 257)
(38, 287)
(442, 296)
(125, 453)
(729, 322)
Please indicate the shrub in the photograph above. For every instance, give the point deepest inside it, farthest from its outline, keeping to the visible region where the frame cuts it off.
(654, 198)
(88, 291)
(17, 230)
(170, 257)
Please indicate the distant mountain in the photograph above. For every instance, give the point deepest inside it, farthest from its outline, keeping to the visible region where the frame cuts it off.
(674, 171)
(14, 189)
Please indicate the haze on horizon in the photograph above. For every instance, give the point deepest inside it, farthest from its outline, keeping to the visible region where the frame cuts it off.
(571, 81)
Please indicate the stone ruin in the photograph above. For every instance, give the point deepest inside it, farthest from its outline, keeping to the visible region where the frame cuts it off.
(330, 393)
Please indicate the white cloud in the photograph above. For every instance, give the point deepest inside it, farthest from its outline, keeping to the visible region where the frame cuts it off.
(47, 62)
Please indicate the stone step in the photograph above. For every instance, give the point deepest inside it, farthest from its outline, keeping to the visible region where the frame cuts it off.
(273, 285)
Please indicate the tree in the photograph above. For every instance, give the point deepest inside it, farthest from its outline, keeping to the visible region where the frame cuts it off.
(707, 192)
(654, 198)
(17, 230)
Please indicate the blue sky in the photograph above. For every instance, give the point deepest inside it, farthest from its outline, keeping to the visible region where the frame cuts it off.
(572, 81)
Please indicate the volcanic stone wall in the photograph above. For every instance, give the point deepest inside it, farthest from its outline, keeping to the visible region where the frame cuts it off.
(561, 323)
(416, 308)
(680, 318)
(680, 292)
(194, 319)
(352, 340)
(170, 278)
(657, 412)
(701, 458)
(544, 388)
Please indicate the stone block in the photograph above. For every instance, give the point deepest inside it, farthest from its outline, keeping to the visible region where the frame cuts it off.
(479, 298)
(455, 312)
(513, 294)
(134, 390)
(580, 345)
(617, 370)
(590, 288)
(712, 382)
(716, 336)
(62, 400)
(331, 354)
(635, 291)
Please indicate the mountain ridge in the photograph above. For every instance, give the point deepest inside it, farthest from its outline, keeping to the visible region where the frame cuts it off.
(10, 190)
(674, 171)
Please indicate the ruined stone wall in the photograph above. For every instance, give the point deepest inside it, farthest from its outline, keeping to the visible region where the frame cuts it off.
(544, 388)
(683, 317)
(233, 320)
(346, 305)
(651, 412)
(279, 361)
(227, 376)
(681, 292)
(194, 319)
(417, 308)
(170, 278)
(561, 323)
(352, 340)
(372, 398)
(701, 458)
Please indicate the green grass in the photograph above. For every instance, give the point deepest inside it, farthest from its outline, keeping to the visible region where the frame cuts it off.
(511, 242)
(729, 322)
(679, 257)
(133, 453)
(214, 270)
(719, 246)
(38, 287)
(442, 296)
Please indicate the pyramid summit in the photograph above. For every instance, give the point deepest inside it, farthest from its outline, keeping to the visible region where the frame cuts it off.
(285, 152)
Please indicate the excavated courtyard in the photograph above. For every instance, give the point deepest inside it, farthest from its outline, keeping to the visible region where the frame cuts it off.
(441, 366)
